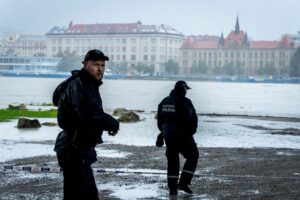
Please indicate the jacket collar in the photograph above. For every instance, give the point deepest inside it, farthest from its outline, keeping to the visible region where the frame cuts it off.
(178, 92)
(86, 76)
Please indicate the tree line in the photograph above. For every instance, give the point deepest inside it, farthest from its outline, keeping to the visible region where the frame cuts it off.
(71, 61)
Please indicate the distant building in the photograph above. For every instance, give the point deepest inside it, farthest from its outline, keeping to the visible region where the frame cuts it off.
(235, 50)
(23, 45)
(295, 38)
(125, 44)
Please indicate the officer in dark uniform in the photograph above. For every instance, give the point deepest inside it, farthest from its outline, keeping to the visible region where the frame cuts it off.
(177, 120)
(81, 116)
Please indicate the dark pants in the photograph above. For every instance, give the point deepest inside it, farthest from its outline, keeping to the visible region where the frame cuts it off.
(79, 181)
(188, 148)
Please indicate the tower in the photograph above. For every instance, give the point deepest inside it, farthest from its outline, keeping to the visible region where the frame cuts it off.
(221, 41)
(237, 26)
(245, 40)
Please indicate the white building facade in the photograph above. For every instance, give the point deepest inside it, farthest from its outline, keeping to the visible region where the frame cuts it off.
(125, 44)
(23, 45)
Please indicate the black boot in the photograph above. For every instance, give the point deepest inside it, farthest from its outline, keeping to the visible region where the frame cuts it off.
(185, 188)
(173, 192)
(172, 184)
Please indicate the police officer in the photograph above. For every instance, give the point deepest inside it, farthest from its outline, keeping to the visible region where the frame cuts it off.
(81, 116)
(177, 120)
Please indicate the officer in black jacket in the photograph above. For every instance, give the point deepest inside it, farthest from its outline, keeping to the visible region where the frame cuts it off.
(177, 120)
(81, 116)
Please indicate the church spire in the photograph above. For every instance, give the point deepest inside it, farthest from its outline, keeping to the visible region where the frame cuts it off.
(237, 26)
(246, 40)
(221, 41)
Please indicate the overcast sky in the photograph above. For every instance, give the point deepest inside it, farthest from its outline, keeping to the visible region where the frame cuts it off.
(262, 19)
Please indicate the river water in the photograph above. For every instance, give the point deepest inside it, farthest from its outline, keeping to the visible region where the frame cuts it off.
(208, 97)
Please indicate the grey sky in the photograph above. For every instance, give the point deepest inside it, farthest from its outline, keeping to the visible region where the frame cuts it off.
(262, 19)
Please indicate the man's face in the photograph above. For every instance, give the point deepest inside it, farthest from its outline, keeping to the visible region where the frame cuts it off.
(95, 68)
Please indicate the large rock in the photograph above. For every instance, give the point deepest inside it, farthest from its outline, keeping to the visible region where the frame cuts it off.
(126, 115)
(49, 124)
(28, 123)
(17, 106)
(129, 117)
(119, 111)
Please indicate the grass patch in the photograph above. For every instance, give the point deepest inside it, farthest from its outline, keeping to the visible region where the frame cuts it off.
(7, 115)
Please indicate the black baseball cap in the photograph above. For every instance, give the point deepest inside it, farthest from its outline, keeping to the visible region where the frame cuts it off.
(95, 55)
(181, 85)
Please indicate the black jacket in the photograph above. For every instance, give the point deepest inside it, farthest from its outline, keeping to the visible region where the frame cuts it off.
(176, 115)
(80, 112)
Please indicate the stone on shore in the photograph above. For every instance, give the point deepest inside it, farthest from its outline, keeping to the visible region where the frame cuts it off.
(129, 117)
(28, 123)
(17, 106)
(126, 116)
(49, 124)
(119, 111)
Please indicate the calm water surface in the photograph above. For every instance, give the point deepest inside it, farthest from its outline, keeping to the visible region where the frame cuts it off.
(208, 97)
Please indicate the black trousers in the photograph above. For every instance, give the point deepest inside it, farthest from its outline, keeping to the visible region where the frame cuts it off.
(188, 148)
(79, 181)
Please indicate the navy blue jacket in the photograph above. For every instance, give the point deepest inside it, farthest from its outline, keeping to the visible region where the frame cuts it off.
(176, 115)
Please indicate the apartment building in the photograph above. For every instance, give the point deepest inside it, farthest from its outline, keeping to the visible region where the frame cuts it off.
(126, 44)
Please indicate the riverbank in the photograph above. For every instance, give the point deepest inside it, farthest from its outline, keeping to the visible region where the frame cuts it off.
(222, 173)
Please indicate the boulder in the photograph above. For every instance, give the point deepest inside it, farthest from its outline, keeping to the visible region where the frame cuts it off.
(28, 123)
(129, 117)
(49, 124)
(119, 111)
(17, 106)
(126, 115)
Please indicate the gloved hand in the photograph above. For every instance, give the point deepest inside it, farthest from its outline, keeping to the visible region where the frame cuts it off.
(111, 125)
(160, 140)
(113, 133)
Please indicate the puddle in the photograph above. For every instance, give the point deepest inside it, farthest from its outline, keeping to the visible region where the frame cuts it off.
(131, 191)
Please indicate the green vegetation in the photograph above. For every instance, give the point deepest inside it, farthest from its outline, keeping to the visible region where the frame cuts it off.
(7, 115)
(171, 67)
(144, 68)
(199, 68)
(70, 61)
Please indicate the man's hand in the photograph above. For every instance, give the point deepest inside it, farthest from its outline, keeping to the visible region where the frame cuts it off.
(112, 133)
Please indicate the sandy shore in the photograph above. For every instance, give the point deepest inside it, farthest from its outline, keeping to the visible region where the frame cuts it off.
(222, 173)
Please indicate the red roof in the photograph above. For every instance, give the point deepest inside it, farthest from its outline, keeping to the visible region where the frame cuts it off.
(234, 40)
(188, 43)
(201, 42)
(119, 28)
(206, 44)
(286, 42)
(264, 44)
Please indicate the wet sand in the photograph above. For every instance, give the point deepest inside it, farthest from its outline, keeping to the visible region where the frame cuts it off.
(222, 173)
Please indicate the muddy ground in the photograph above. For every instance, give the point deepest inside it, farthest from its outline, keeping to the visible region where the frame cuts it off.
(222, 173)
